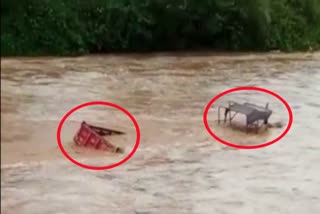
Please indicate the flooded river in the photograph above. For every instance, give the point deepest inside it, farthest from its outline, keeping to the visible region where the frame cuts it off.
(178, 168)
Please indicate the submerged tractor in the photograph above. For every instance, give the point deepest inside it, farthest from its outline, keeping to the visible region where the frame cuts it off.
(93, 137)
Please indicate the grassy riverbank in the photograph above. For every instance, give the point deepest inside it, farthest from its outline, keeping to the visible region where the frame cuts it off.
(67, 27)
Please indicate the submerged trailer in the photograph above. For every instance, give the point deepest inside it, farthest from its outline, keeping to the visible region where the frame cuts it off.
(93, 136)
(255, 115)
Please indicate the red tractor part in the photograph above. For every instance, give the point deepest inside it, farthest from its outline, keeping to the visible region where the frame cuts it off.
(92, 136)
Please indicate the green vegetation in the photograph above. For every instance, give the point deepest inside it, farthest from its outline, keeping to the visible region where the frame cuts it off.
(61, 27)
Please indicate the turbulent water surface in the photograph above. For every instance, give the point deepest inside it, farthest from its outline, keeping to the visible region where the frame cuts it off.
(178, 167)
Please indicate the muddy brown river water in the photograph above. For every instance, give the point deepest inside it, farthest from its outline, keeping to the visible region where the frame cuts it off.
(178, 168)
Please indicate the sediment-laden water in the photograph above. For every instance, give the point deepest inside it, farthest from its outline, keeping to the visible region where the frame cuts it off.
(178, 167)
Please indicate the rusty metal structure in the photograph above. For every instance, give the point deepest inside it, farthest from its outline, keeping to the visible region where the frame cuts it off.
(256, 115)
(93, 137)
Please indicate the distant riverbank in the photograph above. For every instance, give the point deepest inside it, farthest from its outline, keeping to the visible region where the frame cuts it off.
(74, 27)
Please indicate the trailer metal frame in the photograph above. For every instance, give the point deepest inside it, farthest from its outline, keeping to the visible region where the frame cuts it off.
(256, 115)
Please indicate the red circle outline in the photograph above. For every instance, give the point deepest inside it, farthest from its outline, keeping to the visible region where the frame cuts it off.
(205, 117)
(97, 167)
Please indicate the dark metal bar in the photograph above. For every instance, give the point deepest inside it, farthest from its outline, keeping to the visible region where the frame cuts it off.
(234, 115)
(226, 114)
(104, 131)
